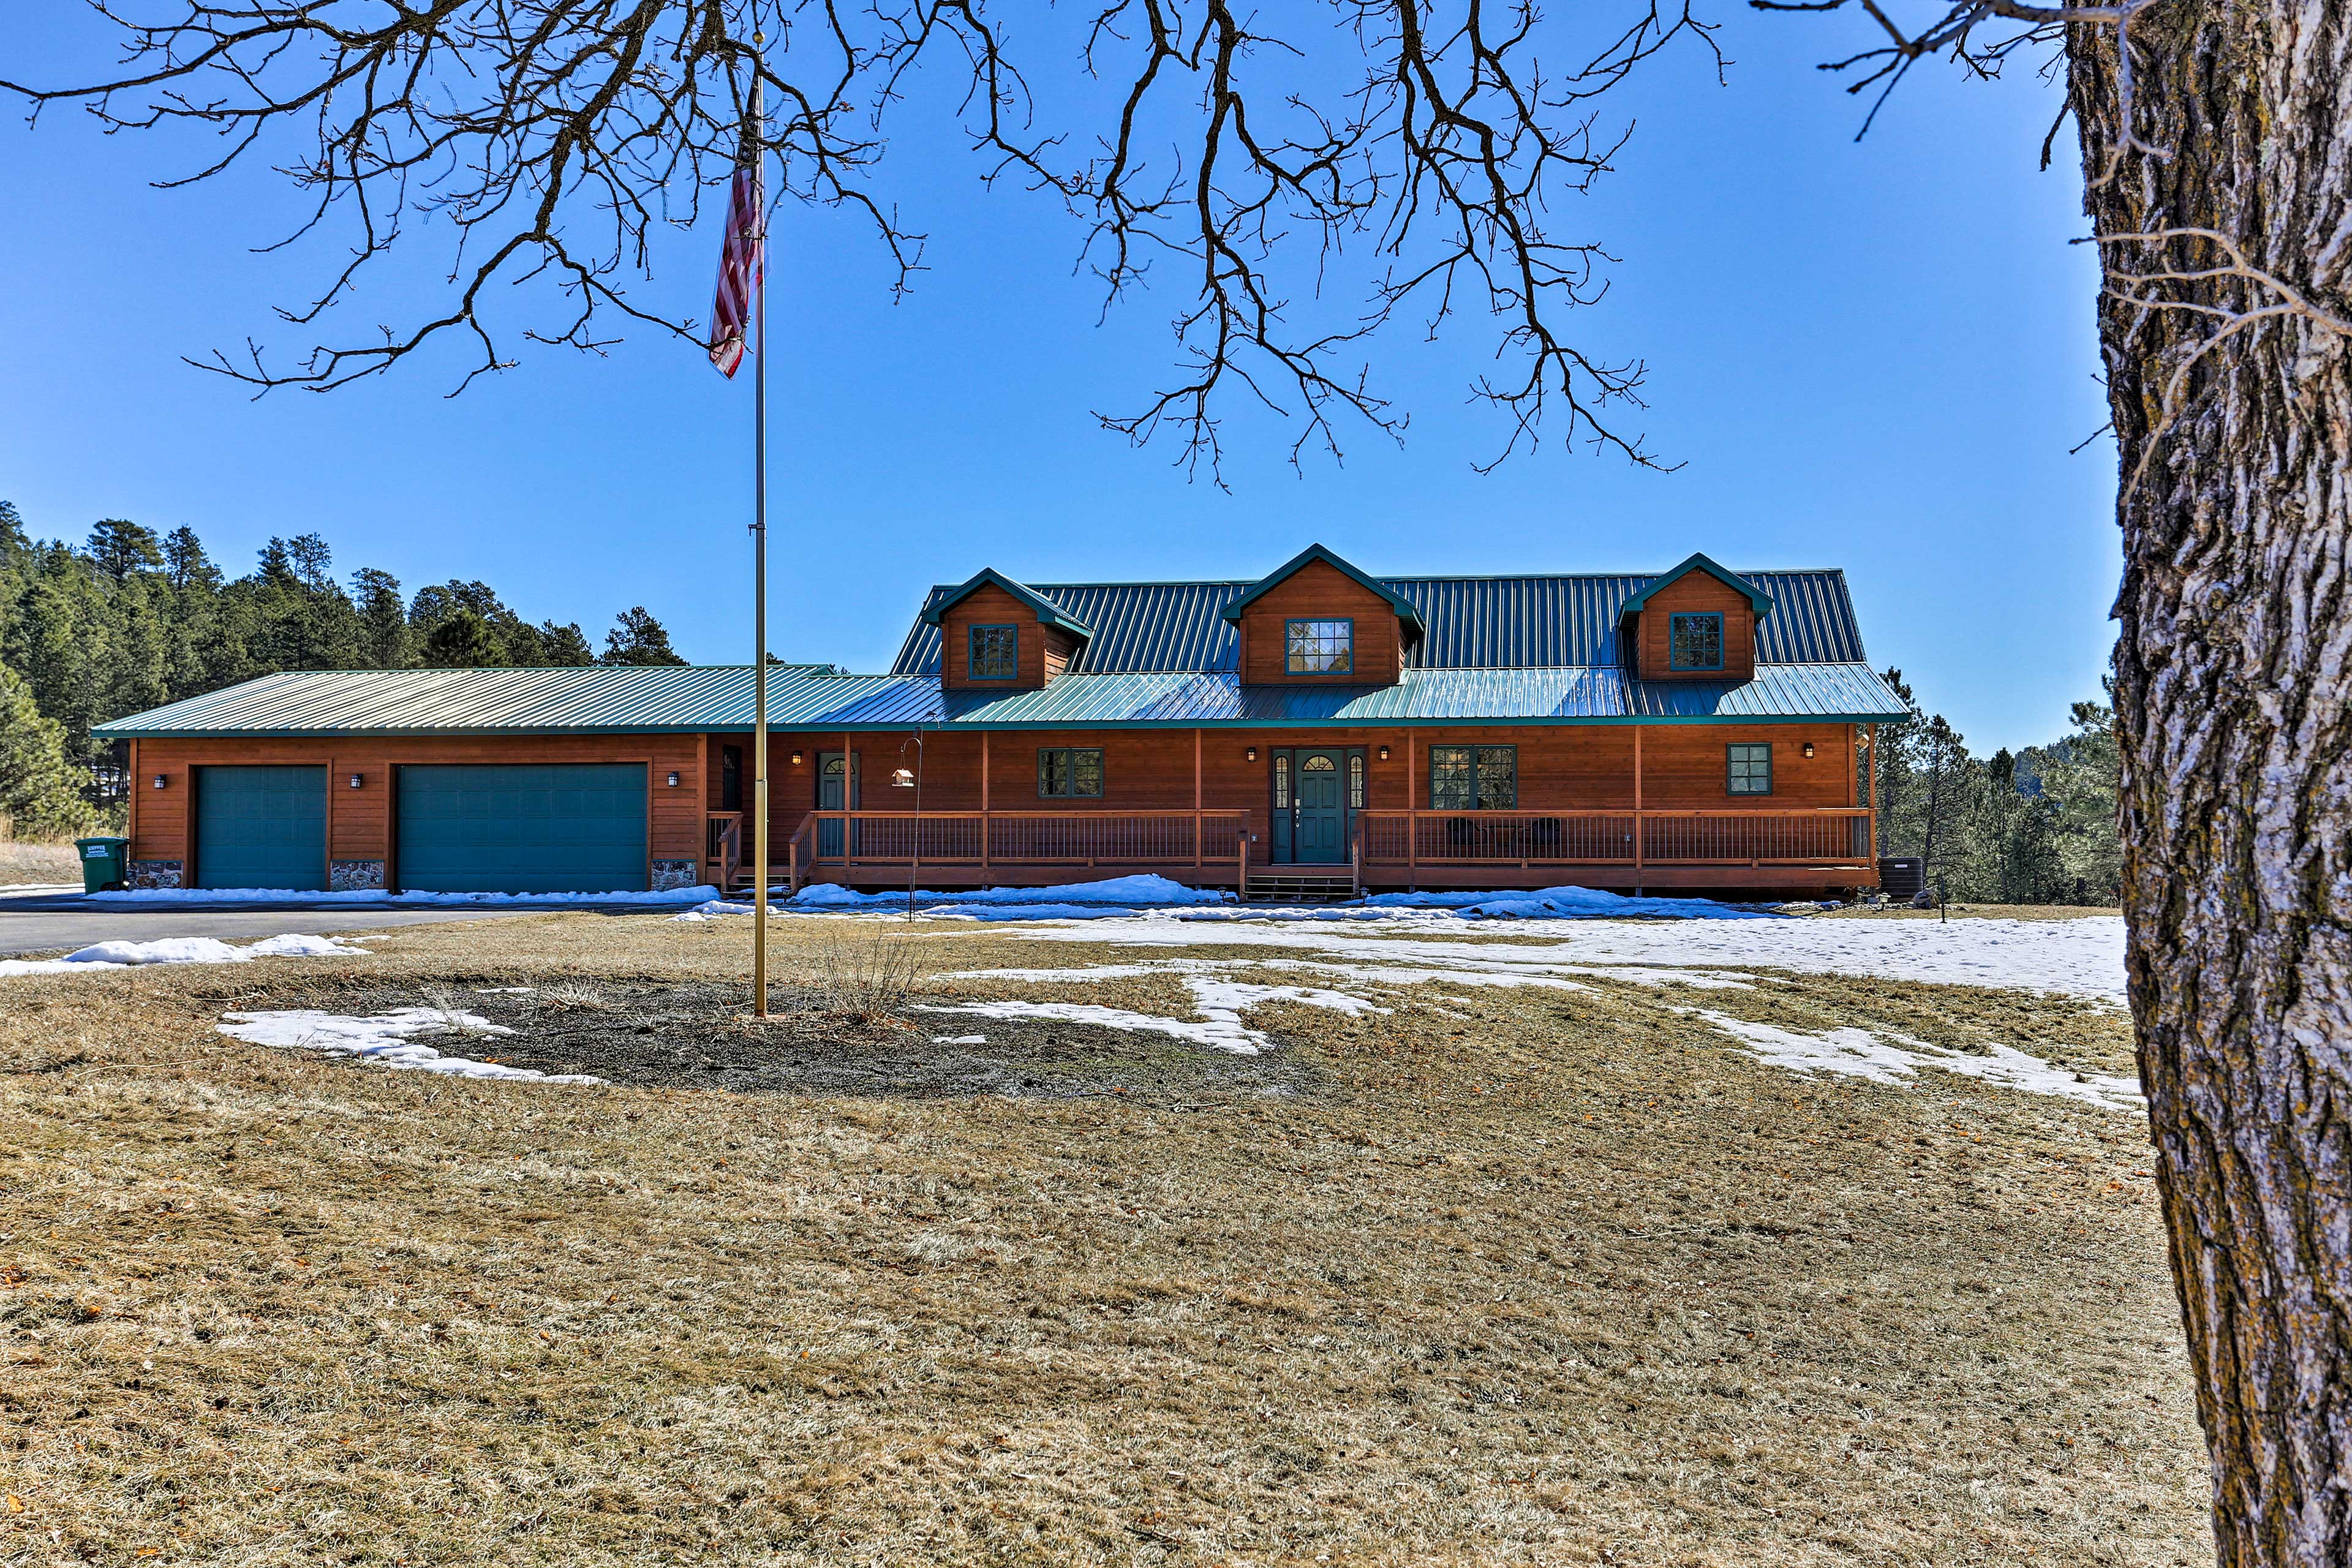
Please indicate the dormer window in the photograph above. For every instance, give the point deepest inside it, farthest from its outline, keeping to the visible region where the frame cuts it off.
(1319, 647)
(1696, 642)
(995, 653)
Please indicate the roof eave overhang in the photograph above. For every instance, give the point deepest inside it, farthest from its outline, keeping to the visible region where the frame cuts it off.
(1757, 599)
(1048, 613)
(1406, 611)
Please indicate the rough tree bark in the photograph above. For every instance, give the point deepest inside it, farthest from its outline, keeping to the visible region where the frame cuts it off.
(2235, 713)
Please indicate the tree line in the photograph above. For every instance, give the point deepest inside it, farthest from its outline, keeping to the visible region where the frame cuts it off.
(130, 620)
(2037, 827)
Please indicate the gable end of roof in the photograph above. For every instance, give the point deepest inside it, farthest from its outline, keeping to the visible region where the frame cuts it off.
(1757, 599)
(1048, 613)
(1406, 610)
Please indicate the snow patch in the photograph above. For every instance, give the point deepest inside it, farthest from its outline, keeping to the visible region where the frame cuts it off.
(2082, 957)
(178, 950)
(1126, 892)
(386, 1037)
(1220, 1003)
(1858, 1053)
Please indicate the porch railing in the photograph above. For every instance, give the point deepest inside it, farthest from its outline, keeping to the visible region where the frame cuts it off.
(723, 848)
(1834, 834)
(1075, 838)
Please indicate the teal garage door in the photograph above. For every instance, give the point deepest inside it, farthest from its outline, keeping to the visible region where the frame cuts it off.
(572, 827)
(261, 827)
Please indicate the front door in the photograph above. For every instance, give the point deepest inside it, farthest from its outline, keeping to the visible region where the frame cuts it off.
(1319, 829)
(836, 790)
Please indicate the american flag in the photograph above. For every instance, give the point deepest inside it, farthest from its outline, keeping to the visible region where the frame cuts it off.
(740, 266)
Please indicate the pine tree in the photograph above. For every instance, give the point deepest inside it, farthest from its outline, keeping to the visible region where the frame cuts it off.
(383, 618)
(40, 789)
(462, 640)
(638, 639)
(187, 565)
(120, 548)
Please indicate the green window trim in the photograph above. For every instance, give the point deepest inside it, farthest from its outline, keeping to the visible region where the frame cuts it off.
(1069, 772)
(1748, 767)
(1474, 778)
(993, 656)
(1316, 645)
(1695, 640)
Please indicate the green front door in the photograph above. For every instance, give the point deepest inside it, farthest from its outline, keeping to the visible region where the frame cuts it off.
(261, 827)
(1319, 830)
(548, 828)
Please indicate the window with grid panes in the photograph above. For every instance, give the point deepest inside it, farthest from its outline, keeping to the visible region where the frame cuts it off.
(1319, 647)
(1695, 642)
(1751, 769)
(1066, 771)
(1474, 778)
(995, 653)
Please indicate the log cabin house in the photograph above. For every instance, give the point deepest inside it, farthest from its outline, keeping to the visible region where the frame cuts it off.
(1317, 731)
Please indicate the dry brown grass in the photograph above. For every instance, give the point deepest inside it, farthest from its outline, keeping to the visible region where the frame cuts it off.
(24, 863)
(1520, 1276)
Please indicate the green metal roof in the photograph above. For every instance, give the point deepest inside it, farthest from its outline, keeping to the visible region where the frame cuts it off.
(706, 699)
(1469, 623)
(1758, 600)
(1047, 612)
(1407, 612)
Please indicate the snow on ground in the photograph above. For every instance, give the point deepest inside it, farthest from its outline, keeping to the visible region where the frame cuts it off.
(386, 1037)
(149, 895)
(1121, 892)
(2078, 957)
(1858, 1053)
(2074, 957)
(1219, 1002)
(107, 955)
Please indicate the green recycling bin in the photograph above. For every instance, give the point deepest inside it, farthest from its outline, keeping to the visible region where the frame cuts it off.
(105, 863)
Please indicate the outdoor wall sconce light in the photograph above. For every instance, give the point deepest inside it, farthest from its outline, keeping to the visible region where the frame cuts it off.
(355, 780)
(159, 781)
(1384, 754)
(673, 780)
(1249, 754)
(1809, 748)
(797, 759)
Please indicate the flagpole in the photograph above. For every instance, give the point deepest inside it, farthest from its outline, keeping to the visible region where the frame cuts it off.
(759, 571)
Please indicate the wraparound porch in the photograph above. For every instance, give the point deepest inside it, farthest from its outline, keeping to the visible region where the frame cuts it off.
(1783, 850)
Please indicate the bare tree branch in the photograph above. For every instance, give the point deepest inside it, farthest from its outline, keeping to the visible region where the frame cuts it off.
(1405, 152)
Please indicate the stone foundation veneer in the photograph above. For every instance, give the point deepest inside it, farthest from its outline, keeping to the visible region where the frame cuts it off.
(154, 874)
(355, 875)
(669, 874)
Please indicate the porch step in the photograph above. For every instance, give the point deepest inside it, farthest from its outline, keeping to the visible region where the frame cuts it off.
(1300, 887)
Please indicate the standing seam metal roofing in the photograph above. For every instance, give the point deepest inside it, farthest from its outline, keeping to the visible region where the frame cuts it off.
(1471, 623)
(703, 700)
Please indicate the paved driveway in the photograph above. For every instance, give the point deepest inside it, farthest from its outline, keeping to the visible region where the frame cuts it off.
(44, 921)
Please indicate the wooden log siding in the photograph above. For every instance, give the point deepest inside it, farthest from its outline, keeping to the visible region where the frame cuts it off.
(358, 821)
(1695, 592)
(1560, 768)
(989, 605)
(1319, 591)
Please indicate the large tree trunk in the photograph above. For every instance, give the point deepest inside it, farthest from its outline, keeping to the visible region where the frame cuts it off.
(2232, 702)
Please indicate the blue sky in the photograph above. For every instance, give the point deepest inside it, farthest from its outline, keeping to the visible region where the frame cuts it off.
(1871, 356)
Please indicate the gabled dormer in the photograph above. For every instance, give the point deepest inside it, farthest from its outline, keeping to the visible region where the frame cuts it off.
(995, 635)
(1317, 620)
(1697, 622)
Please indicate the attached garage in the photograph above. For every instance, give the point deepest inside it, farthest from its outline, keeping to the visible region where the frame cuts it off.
(261, 827)
(556, 827)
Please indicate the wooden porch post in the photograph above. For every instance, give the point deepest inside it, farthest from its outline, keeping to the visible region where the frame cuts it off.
(1412, 804)
(1871, 778)
(984, 808)
(1640, 827)
(1196, 805)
